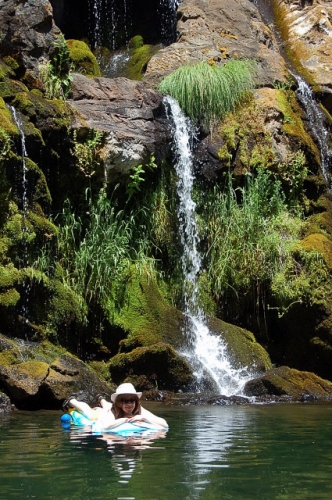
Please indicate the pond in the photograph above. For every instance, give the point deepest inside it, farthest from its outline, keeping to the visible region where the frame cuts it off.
(230, 452)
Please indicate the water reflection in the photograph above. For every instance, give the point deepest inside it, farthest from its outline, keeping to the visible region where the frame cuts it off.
(125, 451)
(264, 452)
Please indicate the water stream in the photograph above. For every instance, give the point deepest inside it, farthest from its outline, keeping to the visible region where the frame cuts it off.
(206, 352)
(317, 123)
(25, 230)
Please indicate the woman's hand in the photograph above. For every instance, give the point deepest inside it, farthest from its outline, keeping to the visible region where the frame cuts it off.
(137, 418)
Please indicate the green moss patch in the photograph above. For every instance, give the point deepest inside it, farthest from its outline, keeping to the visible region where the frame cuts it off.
(159, 364)
(83, 59)
(321, 244)
(146, 316)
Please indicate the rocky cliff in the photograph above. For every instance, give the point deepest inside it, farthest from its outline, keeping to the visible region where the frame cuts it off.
(107, 148)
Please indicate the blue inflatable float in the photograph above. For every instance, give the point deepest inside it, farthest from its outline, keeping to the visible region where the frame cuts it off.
(76, 419)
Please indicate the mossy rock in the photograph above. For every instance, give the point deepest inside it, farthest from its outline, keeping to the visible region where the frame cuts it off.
(321, 244)
(242, 346)
(8, 88)
(146, 318)
(6, 120)
(22, 381)
(159, 364)
(43, 114)
(268, 132)
(83, 59)
(5, 68)
(136, 42)
(284, 381)
(139, 57)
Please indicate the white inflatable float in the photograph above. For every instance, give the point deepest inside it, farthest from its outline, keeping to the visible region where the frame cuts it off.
(76, 419)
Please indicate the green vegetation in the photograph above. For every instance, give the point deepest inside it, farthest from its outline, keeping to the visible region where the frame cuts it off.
(83, 60)
(136, 178)
(206, 93)
(55, 74)
(87, 152)
(95, 254)
(253, 243)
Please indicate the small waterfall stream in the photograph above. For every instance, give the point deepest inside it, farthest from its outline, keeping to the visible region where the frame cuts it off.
(24, 183)
(206, 352)
(317, 124)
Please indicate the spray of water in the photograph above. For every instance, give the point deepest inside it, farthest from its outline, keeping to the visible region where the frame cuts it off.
(317, 123)
(206, 352)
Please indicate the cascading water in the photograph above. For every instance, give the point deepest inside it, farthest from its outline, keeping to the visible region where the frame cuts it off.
(317, 124)
(206, 352)
(167, 12)
(96, 11)
(107, 19)
(25, 260)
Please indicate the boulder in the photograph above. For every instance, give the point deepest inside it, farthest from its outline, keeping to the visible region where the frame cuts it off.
(33, 385)
(242, 347)
(214, 31)
(285, 381)
(307, 28)
(156, 366)
(27, 32)
(130, 115)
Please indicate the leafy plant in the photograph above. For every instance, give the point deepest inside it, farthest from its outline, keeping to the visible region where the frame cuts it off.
(136, 177)
(87, 152)
(206, 93)
(55, 74)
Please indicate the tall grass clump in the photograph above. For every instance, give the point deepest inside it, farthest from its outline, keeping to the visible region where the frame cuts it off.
(250, 233)
(206, 93)
(96, 254)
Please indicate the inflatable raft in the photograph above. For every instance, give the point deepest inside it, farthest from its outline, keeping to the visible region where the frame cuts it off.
(75, 419)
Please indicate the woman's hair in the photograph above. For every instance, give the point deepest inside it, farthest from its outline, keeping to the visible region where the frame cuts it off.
(118, 411)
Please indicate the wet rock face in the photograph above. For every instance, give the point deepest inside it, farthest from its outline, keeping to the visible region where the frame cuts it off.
(308, 28)
(130, 115)
(27, 31)
(214, 31)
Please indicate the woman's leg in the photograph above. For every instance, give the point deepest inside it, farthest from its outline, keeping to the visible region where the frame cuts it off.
(106, 405)
(84, 408)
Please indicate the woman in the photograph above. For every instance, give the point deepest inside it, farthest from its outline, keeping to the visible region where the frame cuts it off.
(125, 407)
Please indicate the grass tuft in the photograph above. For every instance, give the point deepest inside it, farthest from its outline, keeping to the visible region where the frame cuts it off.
(206, 93)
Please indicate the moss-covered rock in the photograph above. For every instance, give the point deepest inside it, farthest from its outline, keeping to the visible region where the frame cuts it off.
(158, 365)
(42, 375)
(139, 56)
(269, 132)
(284, 381)
(146, 317)
(321, 244)
(242, 346)
(83, 59)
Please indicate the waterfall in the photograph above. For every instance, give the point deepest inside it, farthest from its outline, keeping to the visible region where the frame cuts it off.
(167, 13)
(25, 259)
(317, 124)
(206, 352)
(107, 19)
(96, 9)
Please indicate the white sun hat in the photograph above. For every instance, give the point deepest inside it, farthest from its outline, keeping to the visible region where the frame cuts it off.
(125, 389)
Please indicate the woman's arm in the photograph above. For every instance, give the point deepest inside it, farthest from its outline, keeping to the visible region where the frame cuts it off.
(148, 416)
(109, 423)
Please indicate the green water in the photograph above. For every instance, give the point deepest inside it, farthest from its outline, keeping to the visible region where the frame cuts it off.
(265, 452)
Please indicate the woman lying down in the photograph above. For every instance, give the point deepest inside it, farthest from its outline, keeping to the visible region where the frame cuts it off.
(125, 407)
